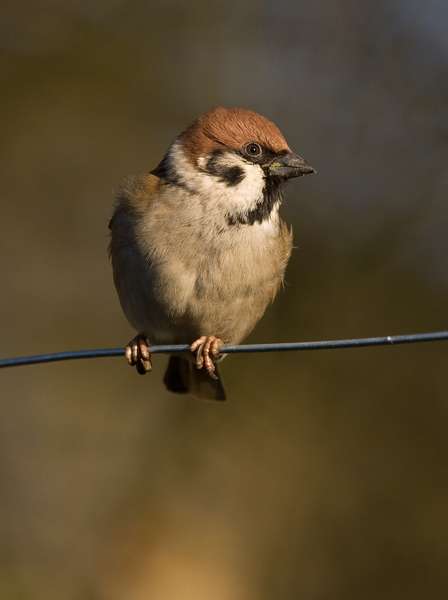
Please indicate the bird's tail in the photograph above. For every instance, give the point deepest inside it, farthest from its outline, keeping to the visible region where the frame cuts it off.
(183, 377)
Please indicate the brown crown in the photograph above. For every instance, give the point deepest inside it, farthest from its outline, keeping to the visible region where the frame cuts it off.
(231, 128)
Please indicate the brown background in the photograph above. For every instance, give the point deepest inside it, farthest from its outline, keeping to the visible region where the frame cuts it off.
(325, 474)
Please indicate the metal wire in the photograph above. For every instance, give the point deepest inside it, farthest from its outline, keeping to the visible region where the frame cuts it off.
(298, 346)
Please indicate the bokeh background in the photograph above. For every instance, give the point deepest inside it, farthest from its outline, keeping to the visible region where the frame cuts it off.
(325, 475)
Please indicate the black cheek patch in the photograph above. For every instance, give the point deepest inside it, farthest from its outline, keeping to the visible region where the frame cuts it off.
(231, 176)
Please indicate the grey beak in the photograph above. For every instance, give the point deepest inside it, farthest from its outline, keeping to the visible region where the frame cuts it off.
(290, 165)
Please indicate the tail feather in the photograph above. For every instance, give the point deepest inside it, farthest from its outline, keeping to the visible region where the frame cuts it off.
(182, 377)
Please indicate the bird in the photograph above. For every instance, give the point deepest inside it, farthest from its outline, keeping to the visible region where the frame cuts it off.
(197, 246)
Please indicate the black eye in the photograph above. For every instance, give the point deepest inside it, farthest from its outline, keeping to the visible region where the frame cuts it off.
(253, 149)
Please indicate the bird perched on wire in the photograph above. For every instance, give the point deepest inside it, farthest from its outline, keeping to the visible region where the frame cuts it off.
(197, 245)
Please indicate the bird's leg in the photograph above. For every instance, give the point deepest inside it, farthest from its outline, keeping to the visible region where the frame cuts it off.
(137, 354)
(206, 350)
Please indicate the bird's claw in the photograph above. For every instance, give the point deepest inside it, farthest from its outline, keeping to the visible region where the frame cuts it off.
(206, 351)
(137, 354)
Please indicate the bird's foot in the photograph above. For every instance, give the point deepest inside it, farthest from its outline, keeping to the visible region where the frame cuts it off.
(206, 351)
(137, 354)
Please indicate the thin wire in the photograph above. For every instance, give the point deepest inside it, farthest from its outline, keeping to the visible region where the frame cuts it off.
(299, 346)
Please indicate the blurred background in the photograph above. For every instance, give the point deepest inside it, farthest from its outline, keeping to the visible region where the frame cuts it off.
(325, 475)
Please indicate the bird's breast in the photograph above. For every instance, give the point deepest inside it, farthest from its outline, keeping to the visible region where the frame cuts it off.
(205, 276)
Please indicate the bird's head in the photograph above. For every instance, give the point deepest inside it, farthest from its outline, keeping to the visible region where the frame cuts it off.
(237, 158)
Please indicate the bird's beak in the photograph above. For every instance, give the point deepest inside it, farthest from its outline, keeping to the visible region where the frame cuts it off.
(290, 165)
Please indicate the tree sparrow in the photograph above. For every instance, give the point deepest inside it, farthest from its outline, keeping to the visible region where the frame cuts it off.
(197, 246)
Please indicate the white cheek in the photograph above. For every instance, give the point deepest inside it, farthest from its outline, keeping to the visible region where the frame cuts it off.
(243, 196)
(250, 190)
